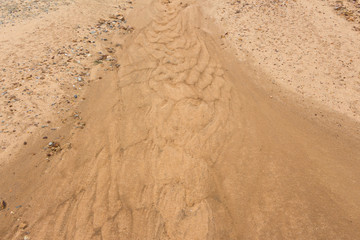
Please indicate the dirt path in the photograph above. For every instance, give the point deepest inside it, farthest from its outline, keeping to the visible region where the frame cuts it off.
(180, 144)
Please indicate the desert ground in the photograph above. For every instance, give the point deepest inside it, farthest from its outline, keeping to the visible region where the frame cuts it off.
(179, 119)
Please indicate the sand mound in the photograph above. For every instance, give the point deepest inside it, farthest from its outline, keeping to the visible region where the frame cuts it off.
(179, 144)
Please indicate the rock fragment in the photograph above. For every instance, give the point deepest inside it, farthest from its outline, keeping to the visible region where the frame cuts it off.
(3, 205)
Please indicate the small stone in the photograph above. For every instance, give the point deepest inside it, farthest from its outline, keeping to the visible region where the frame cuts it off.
(110, 50)
(3, 205)
(25, 143)
(75, 96)
(23, 225)
(54, 147)
(26, 237)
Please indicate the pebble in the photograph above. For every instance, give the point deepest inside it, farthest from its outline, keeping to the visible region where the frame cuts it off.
(3, 205)
(54, 147)
(23, 225)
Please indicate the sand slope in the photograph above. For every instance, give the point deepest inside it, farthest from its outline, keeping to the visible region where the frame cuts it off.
(181, 144)
(305, 46)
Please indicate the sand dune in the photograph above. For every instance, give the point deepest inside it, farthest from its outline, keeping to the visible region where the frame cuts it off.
(181, 143)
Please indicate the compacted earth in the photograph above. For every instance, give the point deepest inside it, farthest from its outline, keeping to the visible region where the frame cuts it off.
(179, 119)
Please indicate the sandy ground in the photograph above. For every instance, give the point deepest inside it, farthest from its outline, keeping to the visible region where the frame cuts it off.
(153, 120)
(307, 47)
(46, 62)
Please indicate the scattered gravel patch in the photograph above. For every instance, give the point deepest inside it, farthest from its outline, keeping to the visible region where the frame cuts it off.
(12, 11)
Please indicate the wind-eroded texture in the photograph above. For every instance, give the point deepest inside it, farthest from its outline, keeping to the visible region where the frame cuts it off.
(175, 107)
(147, 171)
(173, 121)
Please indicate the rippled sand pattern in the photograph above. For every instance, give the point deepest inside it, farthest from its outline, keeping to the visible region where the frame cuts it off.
(151, 177)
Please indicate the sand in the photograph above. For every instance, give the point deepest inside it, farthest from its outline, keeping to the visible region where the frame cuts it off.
(177, 137)
(307, 47)
(45, 62)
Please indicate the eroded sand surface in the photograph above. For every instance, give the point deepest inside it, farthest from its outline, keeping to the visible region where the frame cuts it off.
(179, 142)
